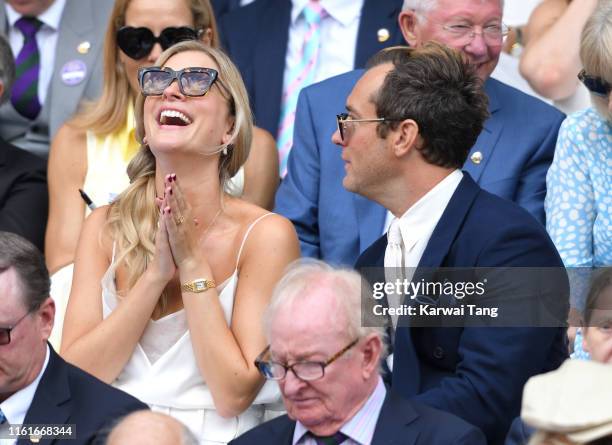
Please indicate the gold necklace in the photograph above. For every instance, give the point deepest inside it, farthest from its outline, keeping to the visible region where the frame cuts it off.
(212, 223)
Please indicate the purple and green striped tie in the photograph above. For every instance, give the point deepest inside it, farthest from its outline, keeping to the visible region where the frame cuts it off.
(24, 96)
(336, 439)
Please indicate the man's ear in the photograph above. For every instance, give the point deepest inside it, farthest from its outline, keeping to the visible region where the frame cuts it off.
(1, 89)
(46, 317)
(404, 138)
(371, 350)
(408, 24)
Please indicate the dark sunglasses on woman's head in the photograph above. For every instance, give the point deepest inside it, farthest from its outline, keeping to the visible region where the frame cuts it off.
(595, 85)
(137, 43)
(192, 81)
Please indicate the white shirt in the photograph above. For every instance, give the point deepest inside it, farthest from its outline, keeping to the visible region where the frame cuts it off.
(360, 428)
(16, 406)
(46, 37)
(419, 221)
(339, 30)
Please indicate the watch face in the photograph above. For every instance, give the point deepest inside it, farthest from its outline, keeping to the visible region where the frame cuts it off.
(200, 285)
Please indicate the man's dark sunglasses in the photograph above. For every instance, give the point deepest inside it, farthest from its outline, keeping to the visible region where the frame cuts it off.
(191, 81)
(5, 333)
(595, 85)
(138, 42)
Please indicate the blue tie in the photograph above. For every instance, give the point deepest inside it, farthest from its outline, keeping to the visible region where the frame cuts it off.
(2, 418)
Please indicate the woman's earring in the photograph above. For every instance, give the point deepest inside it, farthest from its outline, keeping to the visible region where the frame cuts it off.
(224, 151)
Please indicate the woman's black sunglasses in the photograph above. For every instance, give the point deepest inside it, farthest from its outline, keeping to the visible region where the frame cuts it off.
(595, 85)
(192, 82)
(137, 43)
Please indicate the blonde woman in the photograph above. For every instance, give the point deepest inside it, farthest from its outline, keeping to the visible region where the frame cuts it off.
(184, 269)
(92, 151)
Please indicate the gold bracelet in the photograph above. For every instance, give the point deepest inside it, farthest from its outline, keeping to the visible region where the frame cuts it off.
(198, 285)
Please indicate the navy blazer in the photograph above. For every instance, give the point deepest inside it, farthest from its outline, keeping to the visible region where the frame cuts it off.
(256, 37)
(477, 373)
(516, 146)
(400, 422)
(24, 200)
(67, 395)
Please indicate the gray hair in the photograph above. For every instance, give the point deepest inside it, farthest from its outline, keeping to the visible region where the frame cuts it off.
(423, 7)
(304, 276)
(7, 69)
(18, 253)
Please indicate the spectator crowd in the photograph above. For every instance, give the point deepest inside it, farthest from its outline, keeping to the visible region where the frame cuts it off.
(305, 222)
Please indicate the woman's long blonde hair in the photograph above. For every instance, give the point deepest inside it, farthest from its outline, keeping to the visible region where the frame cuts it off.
(109, 113)
(133, 216)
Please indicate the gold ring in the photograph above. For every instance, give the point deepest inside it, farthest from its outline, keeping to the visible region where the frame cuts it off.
(180, 220)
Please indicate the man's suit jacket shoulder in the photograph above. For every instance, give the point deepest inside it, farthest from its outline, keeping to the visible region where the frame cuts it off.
(68, 395)
(256, 38)
(400, 422)
(23, 193)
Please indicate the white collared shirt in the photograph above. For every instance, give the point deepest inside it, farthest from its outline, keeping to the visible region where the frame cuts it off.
(419, 221)
(16, 406)
(339, 30)
(360, 428)
(46, 37)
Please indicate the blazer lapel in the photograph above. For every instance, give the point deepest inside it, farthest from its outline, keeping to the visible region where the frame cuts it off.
(76, 26)
(370, 220)
(51, 403)
(393, 426)
(268, 83)
(376, 15)
(450, 223)
(485, 144)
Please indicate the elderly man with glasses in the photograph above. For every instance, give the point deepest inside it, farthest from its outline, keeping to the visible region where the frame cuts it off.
(327, 365)
(41, 396)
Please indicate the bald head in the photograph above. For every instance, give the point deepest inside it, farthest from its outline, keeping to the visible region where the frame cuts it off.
(150, 428)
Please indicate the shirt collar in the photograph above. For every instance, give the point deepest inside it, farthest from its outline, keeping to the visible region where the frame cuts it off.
(360, 428)
(17, 405)
(343, 11)
(422, 217)
(51, 17)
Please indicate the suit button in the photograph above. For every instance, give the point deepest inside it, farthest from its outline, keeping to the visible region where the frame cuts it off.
(438, 353)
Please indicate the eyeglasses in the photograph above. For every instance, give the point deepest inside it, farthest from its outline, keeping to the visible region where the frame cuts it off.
(343, 120)
(5, 333)
(464, 33)
(595, 85)
(137, 43)
(307, 371)
(192, 81)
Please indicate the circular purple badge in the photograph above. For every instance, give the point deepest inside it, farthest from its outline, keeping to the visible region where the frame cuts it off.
(73, 72)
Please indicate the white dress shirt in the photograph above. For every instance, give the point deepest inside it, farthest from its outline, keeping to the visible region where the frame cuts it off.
(339, 30)
(46, 37)
(16, 406)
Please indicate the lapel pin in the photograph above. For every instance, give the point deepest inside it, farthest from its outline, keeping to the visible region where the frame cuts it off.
(383, 35)
(84, 47)
(73, 72)
(476, 157)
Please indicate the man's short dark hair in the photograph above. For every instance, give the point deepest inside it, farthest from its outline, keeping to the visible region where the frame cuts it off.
(441, 92)
(20, 254)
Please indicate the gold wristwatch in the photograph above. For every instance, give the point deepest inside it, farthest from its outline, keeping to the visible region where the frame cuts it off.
(198, 285)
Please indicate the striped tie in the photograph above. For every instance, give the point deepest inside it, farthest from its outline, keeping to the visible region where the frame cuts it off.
(336, 439)
(25, 89)
(297, 77)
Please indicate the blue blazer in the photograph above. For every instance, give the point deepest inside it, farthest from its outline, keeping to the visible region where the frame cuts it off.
(68, 395)
(401, 422)
(256, 36)
(516, 144)
(477, 373)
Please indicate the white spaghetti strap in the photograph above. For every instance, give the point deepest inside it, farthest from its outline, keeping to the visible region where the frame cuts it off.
(246, 235)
